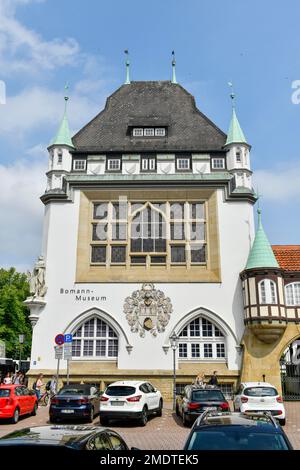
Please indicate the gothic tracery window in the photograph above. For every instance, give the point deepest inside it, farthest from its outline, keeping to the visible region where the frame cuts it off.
(95, 338)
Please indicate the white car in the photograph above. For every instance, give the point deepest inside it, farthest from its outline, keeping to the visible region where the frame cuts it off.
(130, 400)
(259, 396)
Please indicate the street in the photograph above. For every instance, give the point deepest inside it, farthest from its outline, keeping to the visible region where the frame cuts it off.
(165, 433)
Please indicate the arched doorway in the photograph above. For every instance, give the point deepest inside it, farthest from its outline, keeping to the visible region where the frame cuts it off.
(290, 371)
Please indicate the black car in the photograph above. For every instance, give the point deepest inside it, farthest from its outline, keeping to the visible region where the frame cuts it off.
(194, 400)
(71, 437)
(75, 402)
(237, 431)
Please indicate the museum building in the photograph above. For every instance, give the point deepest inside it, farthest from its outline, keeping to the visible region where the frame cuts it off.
(149, 244)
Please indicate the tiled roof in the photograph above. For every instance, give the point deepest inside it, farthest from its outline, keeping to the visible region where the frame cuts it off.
(288, 256)
(159, 103)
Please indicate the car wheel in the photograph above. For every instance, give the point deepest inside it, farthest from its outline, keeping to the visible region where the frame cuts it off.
(282, 422)
(104, 421)
(91, 417)
(144, 417)
(34, 410)
(160, 408)
(16, 416)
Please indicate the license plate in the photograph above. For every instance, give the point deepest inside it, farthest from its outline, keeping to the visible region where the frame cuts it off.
(67, 411)
(212, 408)
(117, 403)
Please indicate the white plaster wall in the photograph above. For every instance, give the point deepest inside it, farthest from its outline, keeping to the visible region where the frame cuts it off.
(222, 301)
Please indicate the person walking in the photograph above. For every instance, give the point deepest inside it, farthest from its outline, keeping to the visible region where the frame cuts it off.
(38, 386)
(7, 379)
(214, 379)
(53, 386)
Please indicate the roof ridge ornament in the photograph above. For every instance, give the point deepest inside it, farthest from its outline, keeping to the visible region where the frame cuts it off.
(127, 63)
(235, 134)
(174, 68)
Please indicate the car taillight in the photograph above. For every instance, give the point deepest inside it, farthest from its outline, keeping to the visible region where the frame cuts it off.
(244, 399)
(136, 398)
(104, 398)
(224, 406)
(193, 406)
(279, 399)
(82, 401)
(54, 401)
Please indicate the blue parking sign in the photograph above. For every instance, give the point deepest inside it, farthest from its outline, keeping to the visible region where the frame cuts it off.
(68, 338)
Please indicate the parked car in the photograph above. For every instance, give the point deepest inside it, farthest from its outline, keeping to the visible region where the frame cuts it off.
(237, 431)
(72, 437)
(75, 402)
(130, 400)
(15, 401)
(194, 400)
(259, 396)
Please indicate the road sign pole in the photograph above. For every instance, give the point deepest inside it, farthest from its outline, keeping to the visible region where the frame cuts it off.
(68, 371)
(57, 372)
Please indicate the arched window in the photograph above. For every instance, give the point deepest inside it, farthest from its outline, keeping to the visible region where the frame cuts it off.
(267, 292)
(292, 293)
(201, 340)
(95, 338)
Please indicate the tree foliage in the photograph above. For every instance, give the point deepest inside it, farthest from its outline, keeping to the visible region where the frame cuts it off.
(14, 289)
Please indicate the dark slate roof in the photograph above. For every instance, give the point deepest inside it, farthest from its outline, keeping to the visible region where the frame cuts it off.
(151, 103)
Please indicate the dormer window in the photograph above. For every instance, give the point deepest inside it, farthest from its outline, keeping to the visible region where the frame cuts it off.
(218, 163)
(183, 163)
(138, 132)
(114, 164)
(79, 165)
(149, 132)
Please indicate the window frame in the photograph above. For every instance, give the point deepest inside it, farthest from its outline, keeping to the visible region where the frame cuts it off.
(293, 295)
(81, 160)
(266, 294)
(83, 338)
(184, 157)
(113, 170)
(199, 342)
(148, 158)
(213, 161)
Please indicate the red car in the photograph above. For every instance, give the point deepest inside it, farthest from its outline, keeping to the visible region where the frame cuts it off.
(16, 400)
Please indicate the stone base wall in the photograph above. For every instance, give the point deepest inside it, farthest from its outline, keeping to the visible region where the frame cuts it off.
(262, 359)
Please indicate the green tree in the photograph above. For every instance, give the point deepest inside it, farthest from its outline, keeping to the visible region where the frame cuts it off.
(14, 289)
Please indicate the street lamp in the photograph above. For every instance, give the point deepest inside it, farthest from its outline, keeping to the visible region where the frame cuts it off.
(21, 342)
(174, 344)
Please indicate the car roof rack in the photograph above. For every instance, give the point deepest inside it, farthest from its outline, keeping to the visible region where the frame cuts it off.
(267, 414)
(206, 386)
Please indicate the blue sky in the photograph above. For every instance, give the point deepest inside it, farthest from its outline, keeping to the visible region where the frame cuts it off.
(46, 43)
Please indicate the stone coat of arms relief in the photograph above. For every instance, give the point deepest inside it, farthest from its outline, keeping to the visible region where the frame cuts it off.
(148, 309)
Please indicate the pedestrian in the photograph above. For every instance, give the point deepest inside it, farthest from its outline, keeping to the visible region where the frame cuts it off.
(7, 379)
(200, 380)
(38, 386)
(214, 379)
(53, 386)
(16, 379)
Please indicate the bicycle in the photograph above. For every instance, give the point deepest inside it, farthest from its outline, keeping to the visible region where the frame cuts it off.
(44, 398)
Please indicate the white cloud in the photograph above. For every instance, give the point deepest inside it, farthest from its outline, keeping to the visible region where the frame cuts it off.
(38, 107)
(24, 50)
(280, 184)
(21, 212)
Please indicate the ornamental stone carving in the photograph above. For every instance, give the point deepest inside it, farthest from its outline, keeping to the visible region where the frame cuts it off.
(148, 309)
(36, 279)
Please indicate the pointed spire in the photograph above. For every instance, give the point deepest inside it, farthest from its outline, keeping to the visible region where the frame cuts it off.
(127, 63)
(63, 136)
(261, 254)
(173, 68)
(235, 134)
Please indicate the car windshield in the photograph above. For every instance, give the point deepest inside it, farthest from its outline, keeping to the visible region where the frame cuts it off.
(4, 392)
(74, 391)
(207, 395)
(236, 439)
(260, 392)
(119, 391)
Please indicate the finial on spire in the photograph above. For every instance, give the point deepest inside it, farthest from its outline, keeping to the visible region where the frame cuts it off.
(173, 68)
(232, 94)
(66, 97)
(127, 63)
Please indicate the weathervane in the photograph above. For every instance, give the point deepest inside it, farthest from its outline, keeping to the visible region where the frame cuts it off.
(173, 68)
(232, 94)
(127, 63)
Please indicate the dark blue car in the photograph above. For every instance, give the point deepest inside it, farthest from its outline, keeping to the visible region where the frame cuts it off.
(75, 402)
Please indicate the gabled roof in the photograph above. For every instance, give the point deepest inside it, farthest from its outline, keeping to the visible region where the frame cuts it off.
(261, 254)
(150, 102)
(288, 256)
(235, 134)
